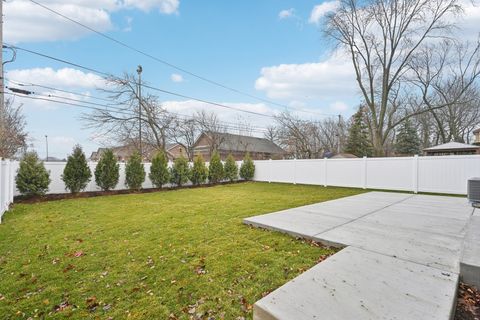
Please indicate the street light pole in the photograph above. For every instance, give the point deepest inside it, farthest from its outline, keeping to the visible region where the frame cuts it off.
(139, 71)
(46, 144)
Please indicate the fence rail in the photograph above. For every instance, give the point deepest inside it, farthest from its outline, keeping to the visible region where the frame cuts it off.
(7, 185)
(439, 174)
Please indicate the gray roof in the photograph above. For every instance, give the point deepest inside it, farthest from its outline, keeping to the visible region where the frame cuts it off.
(235, 142)
(452, 146)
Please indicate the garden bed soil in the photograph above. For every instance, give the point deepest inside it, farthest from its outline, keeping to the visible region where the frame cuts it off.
(90, 194)
(468, 303)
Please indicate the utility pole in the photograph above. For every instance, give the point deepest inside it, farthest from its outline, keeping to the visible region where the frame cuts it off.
(46, 144)
(139, 71)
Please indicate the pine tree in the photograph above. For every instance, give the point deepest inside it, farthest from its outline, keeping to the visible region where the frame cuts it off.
(107, 171)
(407, 142)
(159, 173)
(215, 169)
(231, 169)
(358, 142)
(180, 171)
(134, 172)
(247, 169)
(76, 174)
(199, 172)
(32, 178)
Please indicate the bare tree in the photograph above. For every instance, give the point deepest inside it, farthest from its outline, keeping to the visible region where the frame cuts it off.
(12, 130)
(122, 121)
(308, 139)
(447, 75)
(210, 124)
(185, 131)
(271, 134)
(381, 37)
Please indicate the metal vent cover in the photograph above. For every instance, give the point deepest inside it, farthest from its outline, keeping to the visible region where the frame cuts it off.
(473, 191)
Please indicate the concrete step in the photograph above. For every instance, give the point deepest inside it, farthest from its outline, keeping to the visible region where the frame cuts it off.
(360, 284)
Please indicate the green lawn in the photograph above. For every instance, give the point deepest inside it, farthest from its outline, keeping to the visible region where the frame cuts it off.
(169, 255)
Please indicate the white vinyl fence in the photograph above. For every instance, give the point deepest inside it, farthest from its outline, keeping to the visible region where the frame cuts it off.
(7, 184)
(442, 174)
(57, 185)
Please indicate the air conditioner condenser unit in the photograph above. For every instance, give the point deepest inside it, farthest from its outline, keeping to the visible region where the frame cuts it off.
(473, 191)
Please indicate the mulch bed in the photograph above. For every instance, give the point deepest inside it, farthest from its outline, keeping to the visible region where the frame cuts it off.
(468, 303)
(90, 194)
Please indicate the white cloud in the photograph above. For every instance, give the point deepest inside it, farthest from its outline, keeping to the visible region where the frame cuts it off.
(164, 6)
(328, 79)
(190, 107)
(128, 27)
(319, 11)
(176, 77)
(287, 13)
(339, 106)
(61, 78)
(27, 22)
(468, 24)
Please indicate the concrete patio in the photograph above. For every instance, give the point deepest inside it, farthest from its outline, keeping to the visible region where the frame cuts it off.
(403, 258)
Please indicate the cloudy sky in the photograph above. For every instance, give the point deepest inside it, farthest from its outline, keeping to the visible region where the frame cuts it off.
(271, 49)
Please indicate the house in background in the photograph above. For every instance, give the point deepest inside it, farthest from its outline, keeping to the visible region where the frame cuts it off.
(123, 153)
(237, 145)
(477, 137)
(452, 148)
(175, 150)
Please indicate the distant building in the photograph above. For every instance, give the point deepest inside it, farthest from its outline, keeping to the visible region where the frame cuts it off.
(176, 150)
(123, 153)
(452, 148)
(237, 145)
(477, 137)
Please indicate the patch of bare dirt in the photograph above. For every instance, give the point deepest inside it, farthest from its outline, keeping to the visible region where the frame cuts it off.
(468, 303)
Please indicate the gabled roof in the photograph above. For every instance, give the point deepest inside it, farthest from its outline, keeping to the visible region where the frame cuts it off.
(235, 142)
(452, 146)
(476, 131)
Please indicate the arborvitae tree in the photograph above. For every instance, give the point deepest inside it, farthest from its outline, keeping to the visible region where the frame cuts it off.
(358, 142)
(247, 169)
(180, 171)
(76, 174)
(408, 142)
(215, 169)
(107, 171)
(134, 172)
(199, 171)
(32, 178)
(231, 169)
(159, 173)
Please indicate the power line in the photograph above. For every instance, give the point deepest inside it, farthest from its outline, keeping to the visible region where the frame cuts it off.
(126, 45)
(29, 84)
(76, 102)
(143, 85)
(103, 99)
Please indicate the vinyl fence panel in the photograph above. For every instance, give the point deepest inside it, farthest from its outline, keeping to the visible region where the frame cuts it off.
(441, 174)
(7, 185)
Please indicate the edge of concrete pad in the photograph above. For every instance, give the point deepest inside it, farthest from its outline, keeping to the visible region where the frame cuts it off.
(470, 256)
(259, 225)
(294, 234)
